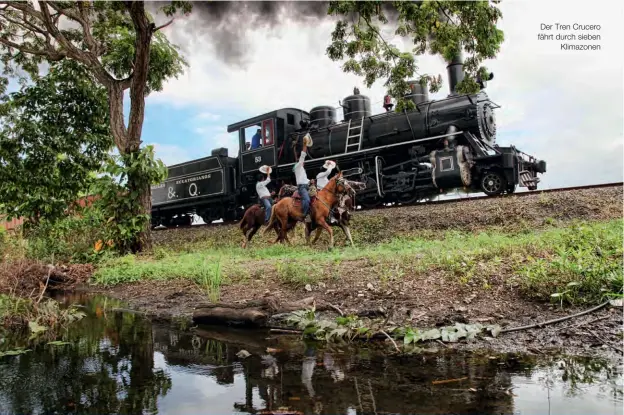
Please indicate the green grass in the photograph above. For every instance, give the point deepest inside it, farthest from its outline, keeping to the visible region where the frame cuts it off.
(541, 263)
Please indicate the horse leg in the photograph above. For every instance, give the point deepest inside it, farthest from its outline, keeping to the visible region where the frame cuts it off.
(252, 232)
(328, 229)
(308, 232)
(347, 232)
(282, 233)
(317, 235)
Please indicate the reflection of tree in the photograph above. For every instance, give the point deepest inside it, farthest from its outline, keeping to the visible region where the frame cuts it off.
(108, 368)
(577, 373)
(356, 379)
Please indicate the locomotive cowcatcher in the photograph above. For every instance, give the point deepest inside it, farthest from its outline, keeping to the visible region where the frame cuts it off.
(402, 157)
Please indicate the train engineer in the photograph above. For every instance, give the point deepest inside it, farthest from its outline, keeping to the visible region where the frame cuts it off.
(255, 140)
(264, 195)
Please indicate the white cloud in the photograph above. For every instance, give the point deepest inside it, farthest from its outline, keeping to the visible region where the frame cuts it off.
(562, 106)
(208, 116)
(172, 154)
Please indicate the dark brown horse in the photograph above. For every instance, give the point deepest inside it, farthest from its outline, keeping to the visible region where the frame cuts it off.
(253, 218)
(287, 212)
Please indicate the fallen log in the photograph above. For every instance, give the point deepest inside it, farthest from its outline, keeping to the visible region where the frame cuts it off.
(253, 312)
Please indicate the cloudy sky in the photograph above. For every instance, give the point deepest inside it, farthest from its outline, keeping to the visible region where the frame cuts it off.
(561, 106)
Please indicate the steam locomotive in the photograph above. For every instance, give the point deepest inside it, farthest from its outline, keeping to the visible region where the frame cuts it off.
(402, 157)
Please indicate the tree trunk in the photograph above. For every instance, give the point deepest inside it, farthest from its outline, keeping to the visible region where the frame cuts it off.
(143, 241)
(128, 140)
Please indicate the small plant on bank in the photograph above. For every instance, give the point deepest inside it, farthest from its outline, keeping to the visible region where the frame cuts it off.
(210, 279)
(43, 320)
(351, 328)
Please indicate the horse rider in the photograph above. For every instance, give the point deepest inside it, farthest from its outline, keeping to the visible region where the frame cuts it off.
(264, 195)
(322, 180)
(322, 177)
(303, 184)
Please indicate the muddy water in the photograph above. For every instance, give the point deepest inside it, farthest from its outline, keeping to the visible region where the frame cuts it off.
(120, 363)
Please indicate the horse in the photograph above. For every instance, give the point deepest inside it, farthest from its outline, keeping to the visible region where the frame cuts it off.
(287, 211)
(253, 218)
(341, 215)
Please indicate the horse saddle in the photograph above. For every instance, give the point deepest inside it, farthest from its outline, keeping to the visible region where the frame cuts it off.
(296, 197)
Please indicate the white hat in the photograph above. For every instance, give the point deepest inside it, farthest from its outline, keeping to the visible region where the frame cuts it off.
(265, 169)
(329, 165)
(307, 140)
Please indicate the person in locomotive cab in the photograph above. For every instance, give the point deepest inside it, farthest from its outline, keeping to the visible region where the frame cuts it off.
(264, 195)
(255, 140)
(303, 184)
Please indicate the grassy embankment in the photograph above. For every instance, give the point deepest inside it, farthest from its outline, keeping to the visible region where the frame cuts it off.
(579, 262)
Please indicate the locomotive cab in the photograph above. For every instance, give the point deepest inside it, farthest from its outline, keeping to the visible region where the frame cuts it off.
(262, 141)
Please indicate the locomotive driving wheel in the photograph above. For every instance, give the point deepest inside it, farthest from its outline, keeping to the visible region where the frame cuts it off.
(493, 183)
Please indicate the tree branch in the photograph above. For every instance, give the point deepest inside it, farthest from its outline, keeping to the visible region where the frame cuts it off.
(163, 26)
(54, 56)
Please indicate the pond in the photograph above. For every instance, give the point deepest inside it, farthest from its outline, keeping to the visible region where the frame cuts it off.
(121, 363)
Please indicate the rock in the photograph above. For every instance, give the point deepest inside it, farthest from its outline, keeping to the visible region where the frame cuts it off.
(616, 302)
(243, 354)
(308, 287)
(370, 286)
(469, 299)
(322, 284)
(360, 295)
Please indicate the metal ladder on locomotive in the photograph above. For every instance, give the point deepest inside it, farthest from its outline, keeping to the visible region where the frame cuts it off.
(349, 144)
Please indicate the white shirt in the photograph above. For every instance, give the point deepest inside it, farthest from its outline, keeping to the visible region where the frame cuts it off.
(261, 188)
(300, 173)
(321, 179)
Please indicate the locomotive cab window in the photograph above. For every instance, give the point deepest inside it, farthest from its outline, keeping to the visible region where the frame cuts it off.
(267, 132)
(446, 163)
(251, 137)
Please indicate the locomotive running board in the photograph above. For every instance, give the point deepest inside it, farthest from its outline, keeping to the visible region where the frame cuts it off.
(378, 163)
(368, 150)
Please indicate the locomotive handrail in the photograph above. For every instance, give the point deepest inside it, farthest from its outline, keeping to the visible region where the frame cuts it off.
(437, 137)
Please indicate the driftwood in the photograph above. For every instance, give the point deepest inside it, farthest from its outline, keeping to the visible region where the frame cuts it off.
(254, 312)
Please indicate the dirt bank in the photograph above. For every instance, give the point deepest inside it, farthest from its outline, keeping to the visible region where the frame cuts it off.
(373, 226)
(405, 295)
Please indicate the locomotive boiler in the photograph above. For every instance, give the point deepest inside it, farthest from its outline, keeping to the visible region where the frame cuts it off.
(402, 156)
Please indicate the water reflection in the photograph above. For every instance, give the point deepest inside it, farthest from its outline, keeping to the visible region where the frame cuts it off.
(121, 363)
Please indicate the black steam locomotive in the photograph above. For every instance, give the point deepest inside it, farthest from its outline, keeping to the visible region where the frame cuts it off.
(402, 157)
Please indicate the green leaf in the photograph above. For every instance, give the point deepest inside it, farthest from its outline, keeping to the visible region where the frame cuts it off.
(36, 328)
(57, 343)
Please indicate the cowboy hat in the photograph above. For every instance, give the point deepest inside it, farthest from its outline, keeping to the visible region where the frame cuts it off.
(307, 140)
(329, 164)
(265, 169)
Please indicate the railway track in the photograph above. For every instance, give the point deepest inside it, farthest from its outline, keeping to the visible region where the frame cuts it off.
(459, 199)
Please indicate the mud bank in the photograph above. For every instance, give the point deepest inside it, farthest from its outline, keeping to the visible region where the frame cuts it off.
(403, 294)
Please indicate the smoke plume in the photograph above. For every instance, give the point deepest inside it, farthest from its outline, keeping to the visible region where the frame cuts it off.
(227, 25)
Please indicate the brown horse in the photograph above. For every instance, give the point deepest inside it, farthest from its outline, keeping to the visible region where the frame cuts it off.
(287, 212)
(341, 214)
(253, 218)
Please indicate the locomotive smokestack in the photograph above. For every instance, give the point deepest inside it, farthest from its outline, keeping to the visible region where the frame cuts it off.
(455, 70)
